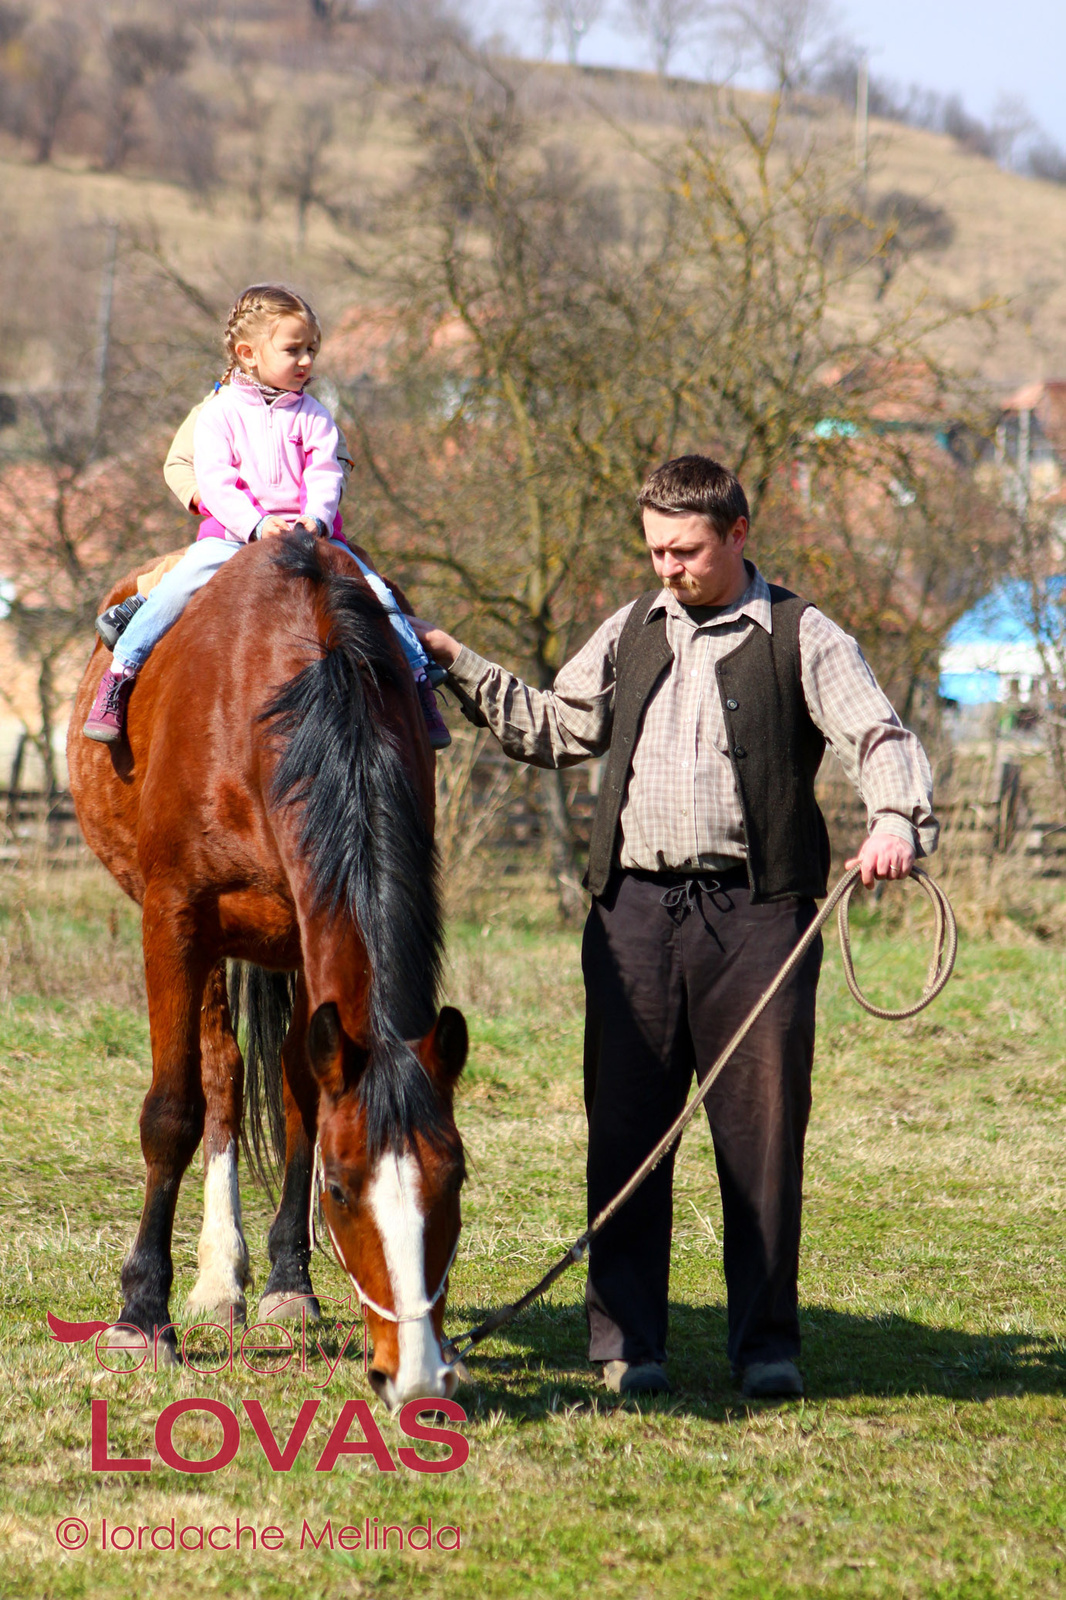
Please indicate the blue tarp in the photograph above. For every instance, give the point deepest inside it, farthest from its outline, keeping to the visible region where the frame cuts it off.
(970, 688)
(1000, 618)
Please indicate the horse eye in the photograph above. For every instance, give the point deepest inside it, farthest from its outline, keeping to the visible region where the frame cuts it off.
(336, 1194)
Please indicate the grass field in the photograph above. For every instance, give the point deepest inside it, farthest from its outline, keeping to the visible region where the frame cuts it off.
(928, 1459)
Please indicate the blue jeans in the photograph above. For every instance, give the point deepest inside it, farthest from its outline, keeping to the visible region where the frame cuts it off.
(172, 594)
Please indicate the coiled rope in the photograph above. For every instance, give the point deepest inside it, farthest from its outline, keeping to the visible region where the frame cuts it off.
(945, 948)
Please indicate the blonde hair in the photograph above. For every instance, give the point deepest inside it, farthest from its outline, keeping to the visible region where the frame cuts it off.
(254, 314)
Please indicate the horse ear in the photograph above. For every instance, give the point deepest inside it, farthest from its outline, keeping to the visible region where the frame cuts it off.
(452, 1041)
(325, 1048)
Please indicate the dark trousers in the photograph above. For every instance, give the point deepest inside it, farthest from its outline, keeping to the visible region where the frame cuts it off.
(666, 985)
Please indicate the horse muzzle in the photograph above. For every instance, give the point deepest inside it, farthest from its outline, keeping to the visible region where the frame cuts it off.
(435, 1384)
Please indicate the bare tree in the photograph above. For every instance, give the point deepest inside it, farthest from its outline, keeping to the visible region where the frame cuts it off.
(252, 119)
(186, 133)
(12, 95)
(551, 344)
(1013, 128)
(666, 25)
(71, 530)
(890, 231)
(329, 12)
(789, 39)
(55, 53)
(1047, 160)
(137, 54)
(82, 498)
(571, 18)
(896, 534)
(1039, 598)
(12, 23)
(304, 165)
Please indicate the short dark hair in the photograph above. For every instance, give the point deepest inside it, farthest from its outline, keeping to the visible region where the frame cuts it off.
(696, 486)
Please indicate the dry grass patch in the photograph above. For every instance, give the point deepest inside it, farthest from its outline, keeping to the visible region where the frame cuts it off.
(925, 1462)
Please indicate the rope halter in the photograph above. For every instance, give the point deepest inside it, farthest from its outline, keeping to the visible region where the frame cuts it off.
(318, 1179)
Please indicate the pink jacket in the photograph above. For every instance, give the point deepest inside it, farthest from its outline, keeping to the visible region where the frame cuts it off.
(253, 460)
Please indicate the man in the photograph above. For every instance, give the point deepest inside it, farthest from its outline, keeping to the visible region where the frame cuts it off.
(715, 697)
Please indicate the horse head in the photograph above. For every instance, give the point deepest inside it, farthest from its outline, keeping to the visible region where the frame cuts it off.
(392, 1207)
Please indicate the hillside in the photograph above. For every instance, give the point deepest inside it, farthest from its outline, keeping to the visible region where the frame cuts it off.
(306, 153)
(1008, 245)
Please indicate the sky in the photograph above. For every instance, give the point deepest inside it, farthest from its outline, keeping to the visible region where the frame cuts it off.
(979, 49)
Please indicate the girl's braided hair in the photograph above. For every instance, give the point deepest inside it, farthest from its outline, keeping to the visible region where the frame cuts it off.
(254, 314)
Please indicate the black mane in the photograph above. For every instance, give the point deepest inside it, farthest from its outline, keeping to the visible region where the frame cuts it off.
(363, 835)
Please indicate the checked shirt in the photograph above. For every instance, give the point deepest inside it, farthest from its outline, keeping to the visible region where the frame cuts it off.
(682, 811)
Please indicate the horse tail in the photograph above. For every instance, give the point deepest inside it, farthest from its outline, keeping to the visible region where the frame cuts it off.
(263, 1001)
(363, 833)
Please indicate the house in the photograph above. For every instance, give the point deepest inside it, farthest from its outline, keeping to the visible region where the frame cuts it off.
(991, 656)
(1030, 447)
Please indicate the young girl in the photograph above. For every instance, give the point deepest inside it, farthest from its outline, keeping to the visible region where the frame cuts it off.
(265, 457)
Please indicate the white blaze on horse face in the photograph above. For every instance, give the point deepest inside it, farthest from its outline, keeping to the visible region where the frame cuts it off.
(395, 1204)
(222, 1254)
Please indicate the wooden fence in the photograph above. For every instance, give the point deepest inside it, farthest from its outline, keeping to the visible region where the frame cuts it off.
(987, 808)
(40, 830)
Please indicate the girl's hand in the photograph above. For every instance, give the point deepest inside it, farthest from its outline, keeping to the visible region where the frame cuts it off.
(310, 525)
(273, 527)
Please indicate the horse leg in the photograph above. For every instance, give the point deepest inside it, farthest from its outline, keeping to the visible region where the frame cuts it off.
(222, 1254)
(172, 1118)
(289, 1293)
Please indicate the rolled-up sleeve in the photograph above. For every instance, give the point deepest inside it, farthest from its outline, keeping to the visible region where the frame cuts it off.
(883, 759)
(554, 727)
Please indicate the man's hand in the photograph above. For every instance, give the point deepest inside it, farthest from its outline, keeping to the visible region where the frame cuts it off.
(273, 527)
(883, 856)
(436, 643)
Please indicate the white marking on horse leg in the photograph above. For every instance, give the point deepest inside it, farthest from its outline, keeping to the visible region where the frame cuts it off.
(394, 1203)
(289, 1306)
(222, 1253)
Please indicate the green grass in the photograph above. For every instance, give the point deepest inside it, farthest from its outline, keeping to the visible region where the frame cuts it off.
(928, 1459)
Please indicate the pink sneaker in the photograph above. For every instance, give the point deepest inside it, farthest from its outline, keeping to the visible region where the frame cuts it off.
(437, 728)
(107, 719)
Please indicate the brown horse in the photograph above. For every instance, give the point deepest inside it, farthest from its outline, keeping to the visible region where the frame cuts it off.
(274, 804)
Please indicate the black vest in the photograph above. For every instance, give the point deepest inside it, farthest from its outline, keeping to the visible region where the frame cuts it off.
(774, 747)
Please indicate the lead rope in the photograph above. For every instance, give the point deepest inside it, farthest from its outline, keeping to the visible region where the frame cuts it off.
(945, 948)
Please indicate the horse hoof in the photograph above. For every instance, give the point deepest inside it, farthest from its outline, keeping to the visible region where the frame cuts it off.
(217, 1309)
(122, 1336)
(289, 1307)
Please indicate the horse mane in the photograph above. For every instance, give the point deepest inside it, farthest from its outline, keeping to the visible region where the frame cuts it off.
(363, 835)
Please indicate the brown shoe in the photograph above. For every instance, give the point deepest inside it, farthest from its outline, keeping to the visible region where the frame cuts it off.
(107, 719)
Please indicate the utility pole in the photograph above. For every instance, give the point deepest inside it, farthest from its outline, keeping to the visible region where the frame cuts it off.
(862, 115)
(103, 332)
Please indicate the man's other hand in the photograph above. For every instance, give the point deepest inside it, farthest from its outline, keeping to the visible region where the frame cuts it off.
(435, 642)
(883, 856)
